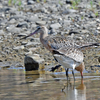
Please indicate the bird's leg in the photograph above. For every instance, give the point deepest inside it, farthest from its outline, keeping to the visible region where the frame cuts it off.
(67, 73)
(55, 59)
(73, 75)
(81, 74)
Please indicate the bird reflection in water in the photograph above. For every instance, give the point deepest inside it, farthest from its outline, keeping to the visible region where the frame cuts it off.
(75, 93)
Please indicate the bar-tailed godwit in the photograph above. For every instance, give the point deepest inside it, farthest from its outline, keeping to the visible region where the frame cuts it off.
(65, 51)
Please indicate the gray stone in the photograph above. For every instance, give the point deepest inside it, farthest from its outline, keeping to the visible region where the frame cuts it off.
(23, 25)
(13, 11)
(13, 29)
(1, 41)
(1, 32)
(23, 43)
(22, 34)
(67, 22)
(18, 47)
(33, 18)
(31, 44)
(67, 11)
(18, 65)
(4, 65)
(98, 20)
(12, 21)
(55, 26)
(41, 22)
(30, 2)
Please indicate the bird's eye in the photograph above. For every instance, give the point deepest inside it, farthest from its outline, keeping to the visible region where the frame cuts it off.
(38, 27)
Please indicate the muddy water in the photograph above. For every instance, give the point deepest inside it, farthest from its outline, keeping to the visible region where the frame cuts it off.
(16, 84)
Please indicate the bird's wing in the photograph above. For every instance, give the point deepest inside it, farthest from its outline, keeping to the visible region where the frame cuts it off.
(70, 52)
(81, 44)
(57, 42)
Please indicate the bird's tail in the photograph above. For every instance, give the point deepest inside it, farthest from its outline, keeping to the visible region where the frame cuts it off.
(89, 45)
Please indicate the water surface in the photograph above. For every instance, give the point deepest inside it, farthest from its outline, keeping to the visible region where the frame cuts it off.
(16, 84)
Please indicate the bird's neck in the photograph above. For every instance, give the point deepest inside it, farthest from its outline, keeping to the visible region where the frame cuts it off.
(43, 35)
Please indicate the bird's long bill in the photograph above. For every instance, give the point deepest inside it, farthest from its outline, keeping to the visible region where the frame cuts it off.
(30, 34)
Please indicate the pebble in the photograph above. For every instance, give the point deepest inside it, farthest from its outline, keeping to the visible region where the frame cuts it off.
(19, 47)
(41, 22)
(55, 26)
(30, 2)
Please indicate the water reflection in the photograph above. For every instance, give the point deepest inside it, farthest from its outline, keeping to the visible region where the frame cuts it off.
(75, 93)
(34, 85)
(31, 76)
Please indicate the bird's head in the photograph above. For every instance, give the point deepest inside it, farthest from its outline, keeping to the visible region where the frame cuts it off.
(40, 29)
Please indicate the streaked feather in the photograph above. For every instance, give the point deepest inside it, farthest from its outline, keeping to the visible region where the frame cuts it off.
(70, 52)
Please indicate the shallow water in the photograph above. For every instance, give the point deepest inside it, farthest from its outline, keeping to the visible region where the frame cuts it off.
(16, 84)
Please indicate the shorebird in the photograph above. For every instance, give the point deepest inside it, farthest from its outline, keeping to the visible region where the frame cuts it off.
(63, 49)
(70, 57)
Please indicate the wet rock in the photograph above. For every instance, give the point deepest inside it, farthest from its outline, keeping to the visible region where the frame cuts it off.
(30, 64)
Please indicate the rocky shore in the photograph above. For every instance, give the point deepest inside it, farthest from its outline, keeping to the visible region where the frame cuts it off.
(79, 20)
